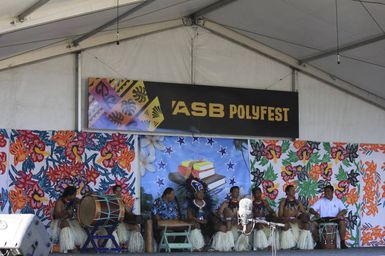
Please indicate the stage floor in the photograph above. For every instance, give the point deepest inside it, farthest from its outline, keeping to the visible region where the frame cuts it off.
(377, 251)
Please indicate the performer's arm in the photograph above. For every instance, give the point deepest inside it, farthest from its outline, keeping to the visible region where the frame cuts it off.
(312, 211)
(342, 210)
(154, 210)
(281, 212)
(222, 208)
(315, 209)
(301, 208)
(342, 213)
(191, 217)
(268, 207)
(59, 212)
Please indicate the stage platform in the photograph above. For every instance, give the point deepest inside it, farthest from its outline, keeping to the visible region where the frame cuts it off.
(377, 251)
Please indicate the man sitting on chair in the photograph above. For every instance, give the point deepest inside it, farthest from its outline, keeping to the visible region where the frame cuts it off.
(165, 208)
(262, 211)
(297, 222)
(65, 226)
(331, 209)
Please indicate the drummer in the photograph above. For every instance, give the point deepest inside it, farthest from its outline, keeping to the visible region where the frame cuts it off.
(331, 209)
(129, 235)
(297, 222)
(65, 226)
(262, 211)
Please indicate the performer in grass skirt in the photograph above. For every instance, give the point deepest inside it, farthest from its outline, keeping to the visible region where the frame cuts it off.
(199, 213)
(65, 227)
(262, 211)
(127, 235)
(297, 223)
(227, 223)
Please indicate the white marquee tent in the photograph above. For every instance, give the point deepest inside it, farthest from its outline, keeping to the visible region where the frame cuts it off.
(47, 47)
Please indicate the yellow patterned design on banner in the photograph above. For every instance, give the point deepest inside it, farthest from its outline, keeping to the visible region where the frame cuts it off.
(93, 81)
(152, 116)
(123, 86)
(132, 101)
(113, 82)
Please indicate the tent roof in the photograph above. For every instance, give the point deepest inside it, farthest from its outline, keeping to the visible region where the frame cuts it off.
(305, 30)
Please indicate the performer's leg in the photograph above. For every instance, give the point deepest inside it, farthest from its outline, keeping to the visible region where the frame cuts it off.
(228, 214)
(80, 235)
(66, 237)
(135, 241)
(196, 238)
(122, 231)
(314, 230)
(342, 231)
(223, 240)
(305, 239)
(260, 240)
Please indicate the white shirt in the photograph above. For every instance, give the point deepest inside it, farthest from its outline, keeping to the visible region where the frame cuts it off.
(328, 208)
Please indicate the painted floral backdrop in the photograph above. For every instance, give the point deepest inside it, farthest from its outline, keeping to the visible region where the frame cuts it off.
(35, 167)
(40, 164)
(161, 156)
(372, 166)
(309, 166)
(4, 160)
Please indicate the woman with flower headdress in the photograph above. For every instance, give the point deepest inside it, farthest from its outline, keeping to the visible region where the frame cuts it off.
(198, 212)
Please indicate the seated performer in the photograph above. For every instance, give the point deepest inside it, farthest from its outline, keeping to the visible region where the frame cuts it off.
(227, 223)
(128, 235)
(165, 208)
(297, 229)
(331, 209)
(65, 226)
(198, 212)
(262, 211)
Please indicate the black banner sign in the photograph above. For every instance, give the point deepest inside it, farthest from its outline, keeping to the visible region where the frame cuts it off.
(180, 108)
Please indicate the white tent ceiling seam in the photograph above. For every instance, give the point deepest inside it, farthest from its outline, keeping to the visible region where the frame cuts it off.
(58, 11)
(252, 44)
(102, 38)
(130, 33)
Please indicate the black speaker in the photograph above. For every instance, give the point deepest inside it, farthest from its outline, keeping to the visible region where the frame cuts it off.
(23, 234)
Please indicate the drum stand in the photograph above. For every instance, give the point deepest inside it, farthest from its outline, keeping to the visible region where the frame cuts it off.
(272, 225)
(91, 236)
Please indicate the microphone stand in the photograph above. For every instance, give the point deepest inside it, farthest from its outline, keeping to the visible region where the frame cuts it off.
(272, 225)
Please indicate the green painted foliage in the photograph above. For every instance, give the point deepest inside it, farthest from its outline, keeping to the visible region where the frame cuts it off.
(315, 158)
(346, 162)
(341, 175)
(292, 157)
(264, 161)
(326, 146)
(285, 146)
(307, 188)
(269, 173)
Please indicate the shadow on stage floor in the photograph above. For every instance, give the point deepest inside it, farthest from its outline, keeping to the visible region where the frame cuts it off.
(377, 251)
